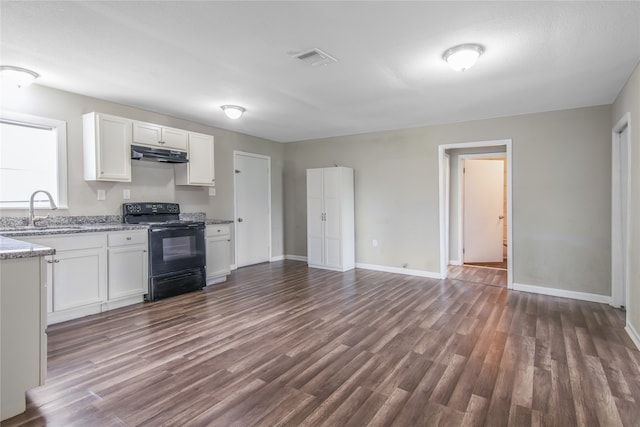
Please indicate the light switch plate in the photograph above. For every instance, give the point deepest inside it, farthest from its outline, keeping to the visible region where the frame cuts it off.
(102, 195)
(212, 191)
(126, 194)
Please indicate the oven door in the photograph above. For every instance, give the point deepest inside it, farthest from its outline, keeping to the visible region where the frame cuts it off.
(176, 248)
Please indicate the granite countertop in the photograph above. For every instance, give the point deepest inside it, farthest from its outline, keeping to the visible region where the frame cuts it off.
(23, 231)
(11, 228)
(12, 249)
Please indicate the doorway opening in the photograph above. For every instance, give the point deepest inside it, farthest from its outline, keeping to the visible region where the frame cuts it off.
(476, 245)
(620, 185)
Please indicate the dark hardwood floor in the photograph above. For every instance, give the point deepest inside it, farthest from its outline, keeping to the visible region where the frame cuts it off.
(283, 345)
(478, 274)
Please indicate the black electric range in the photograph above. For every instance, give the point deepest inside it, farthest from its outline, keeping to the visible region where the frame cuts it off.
(176, 248)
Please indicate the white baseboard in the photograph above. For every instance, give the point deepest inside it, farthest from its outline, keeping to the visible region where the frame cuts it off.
(584, 296)
(214, 280)
(455, 262)
(276, 258)
(296, 257)
(73, 313)
(633, 334)
(233, 267)
(399, 270)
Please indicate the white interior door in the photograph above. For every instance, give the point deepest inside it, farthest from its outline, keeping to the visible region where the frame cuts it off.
(483, 210)
(253, 201)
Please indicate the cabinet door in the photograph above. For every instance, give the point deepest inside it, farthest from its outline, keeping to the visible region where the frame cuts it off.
(114, 148)
(332, 218)
(218, 256)
(315, 217)
(127, 271)
(79, 278)
(147, 134)
(174, 138)
(201, 160)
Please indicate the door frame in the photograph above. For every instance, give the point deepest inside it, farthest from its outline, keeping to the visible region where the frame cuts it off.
(237, 153)
(619, 256)
(444, 235)
(460, 218)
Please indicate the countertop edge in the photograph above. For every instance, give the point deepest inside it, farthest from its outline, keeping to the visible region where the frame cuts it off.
(15, 249)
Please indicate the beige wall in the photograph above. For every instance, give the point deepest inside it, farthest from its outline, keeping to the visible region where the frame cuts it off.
(628, 101)
(150, 181)
(561, 194)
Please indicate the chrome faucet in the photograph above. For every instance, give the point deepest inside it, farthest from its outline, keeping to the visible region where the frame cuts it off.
(31, 220)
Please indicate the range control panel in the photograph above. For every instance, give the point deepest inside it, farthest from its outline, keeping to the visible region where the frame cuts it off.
(145, 208)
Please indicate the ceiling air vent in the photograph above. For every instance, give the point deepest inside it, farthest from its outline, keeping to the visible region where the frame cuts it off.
(315, 57)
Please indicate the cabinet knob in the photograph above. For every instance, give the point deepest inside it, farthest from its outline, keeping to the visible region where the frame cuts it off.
(128, 238)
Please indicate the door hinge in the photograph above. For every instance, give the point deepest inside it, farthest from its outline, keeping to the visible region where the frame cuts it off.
(462, 250)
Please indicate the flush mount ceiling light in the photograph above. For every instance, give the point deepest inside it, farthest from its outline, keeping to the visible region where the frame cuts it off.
(18, 76)
(233, 111)
(463, 57)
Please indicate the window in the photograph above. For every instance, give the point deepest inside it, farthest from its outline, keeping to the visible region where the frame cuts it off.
(33, 156)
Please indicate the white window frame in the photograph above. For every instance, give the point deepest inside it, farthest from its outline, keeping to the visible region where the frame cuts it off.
(61, 131)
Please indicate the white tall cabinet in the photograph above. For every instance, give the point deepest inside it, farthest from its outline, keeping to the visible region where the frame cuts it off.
(330, 218)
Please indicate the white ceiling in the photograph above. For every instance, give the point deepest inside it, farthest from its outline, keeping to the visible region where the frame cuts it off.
(185, 59)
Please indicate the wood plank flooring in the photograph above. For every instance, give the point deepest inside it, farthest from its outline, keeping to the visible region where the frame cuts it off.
(284, 345)
(478, 274)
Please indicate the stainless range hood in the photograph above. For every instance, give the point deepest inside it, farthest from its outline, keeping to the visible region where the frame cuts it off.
(140, 152)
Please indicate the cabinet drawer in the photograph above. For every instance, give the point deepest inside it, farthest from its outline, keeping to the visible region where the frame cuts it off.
(125, 238)
(217, 230)
(70, 242)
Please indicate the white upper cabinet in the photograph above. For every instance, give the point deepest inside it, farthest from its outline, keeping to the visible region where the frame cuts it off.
(200, 169)
(157, 136)
(107, 147)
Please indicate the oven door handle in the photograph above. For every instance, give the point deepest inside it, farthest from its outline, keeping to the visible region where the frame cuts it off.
(178, 227)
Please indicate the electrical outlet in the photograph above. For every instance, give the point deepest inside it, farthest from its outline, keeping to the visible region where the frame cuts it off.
(126, 194)
(375, 243)
(212, 191)
(102, 195)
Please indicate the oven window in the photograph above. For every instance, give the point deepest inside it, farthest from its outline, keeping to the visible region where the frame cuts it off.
(176, 248)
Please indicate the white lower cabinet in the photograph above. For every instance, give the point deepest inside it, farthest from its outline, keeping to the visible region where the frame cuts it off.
(78, 278)
(76, 274)
(218, 240)
(127, 266)
(93, 272)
